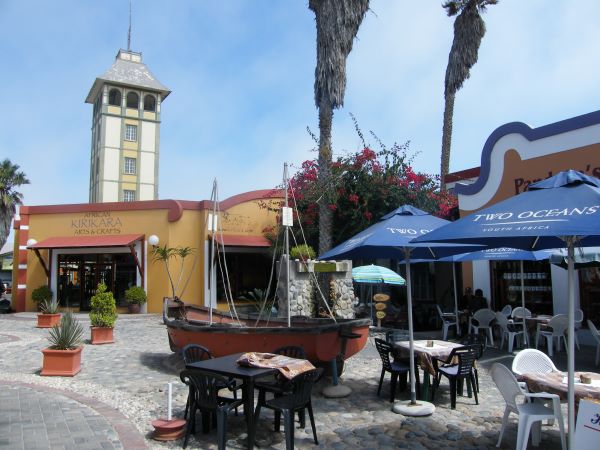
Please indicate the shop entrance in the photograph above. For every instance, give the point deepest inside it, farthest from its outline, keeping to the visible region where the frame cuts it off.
(79, 276)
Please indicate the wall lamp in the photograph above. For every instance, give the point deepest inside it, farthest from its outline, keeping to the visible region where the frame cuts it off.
(31, 242)
(153, 240)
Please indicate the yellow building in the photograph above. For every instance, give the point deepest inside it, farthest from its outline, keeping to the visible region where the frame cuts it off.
(72, 248)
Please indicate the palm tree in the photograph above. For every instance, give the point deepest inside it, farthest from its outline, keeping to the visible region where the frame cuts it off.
(10, 178)
(469, 29)
(337, 25)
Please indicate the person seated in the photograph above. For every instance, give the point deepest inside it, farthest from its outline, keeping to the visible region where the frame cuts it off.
(478, 301)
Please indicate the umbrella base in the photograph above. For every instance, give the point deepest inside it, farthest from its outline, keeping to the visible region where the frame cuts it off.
(336, 391)
(420, 408)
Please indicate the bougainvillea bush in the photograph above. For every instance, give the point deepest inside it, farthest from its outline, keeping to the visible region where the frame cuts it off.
(364, 186)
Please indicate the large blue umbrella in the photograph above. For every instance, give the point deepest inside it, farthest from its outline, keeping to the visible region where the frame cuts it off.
(376, 274)
(561, 211)
(391, 238)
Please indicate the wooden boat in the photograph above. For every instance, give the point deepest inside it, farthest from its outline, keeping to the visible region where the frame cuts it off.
(323, 340)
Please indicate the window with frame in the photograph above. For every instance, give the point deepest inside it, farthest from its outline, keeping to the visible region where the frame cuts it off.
(128, 196)
(131, 133)
(130, 166)
(133, 100)
(114, 97)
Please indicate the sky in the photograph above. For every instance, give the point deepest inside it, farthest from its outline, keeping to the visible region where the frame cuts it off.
(242, 72)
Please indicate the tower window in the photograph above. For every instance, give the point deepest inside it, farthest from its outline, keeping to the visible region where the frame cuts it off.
(131, 133)
(149, 103)
(130, 164)
(128, 196)
(133, 100)
(114, 97)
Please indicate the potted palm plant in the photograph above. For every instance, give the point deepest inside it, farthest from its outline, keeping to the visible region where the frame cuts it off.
(103, 315)
(63, 356)
(135, 297)
(165, 254)
(49, 315)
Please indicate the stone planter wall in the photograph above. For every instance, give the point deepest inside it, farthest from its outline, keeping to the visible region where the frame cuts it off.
(304, 294)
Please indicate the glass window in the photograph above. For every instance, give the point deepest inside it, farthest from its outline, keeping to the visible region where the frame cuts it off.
(133, 100)
(130, 166)
(114, 97)
(131, 133)
(149, 103)
(128, 196)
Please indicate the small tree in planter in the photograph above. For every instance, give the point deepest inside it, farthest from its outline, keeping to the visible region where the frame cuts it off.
(49, 315)
(135, 296)
(103, 315)
(302, 252)
(164, 254)
(63, 357)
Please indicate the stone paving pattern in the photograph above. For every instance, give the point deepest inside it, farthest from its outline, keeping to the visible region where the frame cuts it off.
(121, 389)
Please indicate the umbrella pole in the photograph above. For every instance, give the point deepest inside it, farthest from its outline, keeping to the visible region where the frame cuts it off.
(413, 393)
(571, 342)
(455, 299)
(525, 334)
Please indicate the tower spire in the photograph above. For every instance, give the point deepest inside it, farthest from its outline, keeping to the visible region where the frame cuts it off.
(129, 31)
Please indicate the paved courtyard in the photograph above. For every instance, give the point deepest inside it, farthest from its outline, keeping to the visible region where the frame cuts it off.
(121, 389)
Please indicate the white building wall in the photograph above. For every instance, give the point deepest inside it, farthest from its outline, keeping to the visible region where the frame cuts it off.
(146, 192)
(148, 143)
(147, 168)
(113, 132)
(110, 191)
(481, 278)
(111, 164)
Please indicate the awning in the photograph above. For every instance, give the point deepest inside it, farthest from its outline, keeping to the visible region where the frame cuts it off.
(240, 240)
(119, 240)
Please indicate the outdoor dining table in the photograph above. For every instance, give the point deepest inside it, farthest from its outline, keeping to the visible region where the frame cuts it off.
(228, 366)
(427, 357)
(556, 383)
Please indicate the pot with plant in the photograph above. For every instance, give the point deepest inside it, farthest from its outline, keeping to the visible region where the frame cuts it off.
(103, 315)
(135, 297)
(48, 307)
(63, 356)
(302, 252)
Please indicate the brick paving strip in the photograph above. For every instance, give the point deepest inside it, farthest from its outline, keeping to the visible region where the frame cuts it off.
(128, 435)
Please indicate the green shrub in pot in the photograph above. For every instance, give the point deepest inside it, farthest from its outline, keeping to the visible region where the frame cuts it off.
(103, 311)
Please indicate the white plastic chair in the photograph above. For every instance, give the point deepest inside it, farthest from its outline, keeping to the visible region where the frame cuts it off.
(578, 318)
(484, 318)
(556, 328)
(448, 320)
(508, 330)
(517, 315)
(596, 335)
(532, 361)
(530, 413)
(507, 311)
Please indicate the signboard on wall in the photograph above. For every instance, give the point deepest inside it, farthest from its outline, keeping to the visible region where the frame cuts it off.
(96, 224)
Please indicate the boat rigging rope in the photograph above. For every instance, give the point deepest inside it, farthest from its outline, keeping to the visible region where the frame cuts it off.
(264, 302)
(324, 300)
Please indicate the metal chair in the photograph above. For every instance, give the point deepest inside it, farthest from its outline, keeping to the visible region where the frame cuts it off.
(457, 372)
(296, 400)
(205, 398)
(278, 385)
(448, 320)
(508, 330)
(484, 318)
(530, 413)
(395, 368)
(555, 329)
(192, 353)
(596, 335)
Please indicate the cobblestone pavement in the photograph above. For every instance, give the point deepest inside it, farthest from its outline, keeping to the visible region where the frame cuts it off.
(121, 389)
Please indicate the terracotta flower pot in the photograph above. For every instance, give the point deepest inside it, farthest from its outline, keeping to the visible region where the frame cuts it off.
(48, 320)
(102, 335)
(134, 308)
(61, 363)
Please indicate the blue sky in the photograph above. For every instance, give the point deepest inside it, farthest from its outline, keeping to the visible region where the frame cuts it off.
(241, 73)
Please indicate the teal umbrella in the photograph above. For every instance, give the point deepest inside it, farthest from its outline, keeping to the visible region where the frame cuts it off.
(376, 274)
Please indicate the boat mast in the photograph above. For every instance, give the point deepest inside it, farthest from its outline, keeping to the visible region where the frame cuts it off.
(212, 219)
(286, 221)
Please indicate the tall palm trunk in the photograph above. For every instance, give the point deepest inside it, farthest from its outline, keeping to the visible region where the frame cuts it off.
(325, 158)
(447, 136)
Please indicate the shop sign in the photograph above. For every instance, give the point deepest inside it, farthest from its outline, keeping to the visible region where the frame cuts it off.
(96, 224)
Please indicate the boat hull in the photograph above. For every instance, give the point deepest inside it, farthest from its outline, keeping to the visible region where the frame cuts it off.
(322, 339)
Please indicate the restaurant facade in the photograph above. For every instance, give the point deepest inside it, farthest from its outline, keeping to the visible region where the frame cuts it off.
(73, 247)
(513, 157)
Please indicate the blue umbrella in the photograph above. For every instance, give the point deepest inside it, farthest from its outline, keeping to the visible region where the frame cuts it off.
(561, 211)
(585, 257)
(376, 274)
(391, 238)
